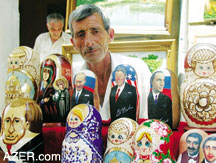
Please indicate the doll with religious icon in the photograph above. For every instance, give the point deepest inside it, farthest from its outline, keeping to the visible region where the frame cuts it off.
(124, 95)
(198, 90)
(21, 130)
(152, 142)
(83, 140)
(120, 140)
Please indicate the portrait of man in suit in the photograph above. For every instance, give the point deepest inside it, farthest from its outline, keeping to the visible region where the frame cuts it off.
(22, 129)
(209, 150)
(191, 155)
(159, 104)
(123, 97)
(80, 94)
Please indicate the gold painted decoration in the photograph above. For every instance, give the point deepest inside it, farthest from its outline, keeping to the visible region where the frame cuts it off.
(198, 91)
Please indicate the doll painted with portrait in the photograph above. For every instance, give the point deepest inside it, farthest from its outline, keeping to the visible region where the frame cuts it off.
(83, 140)
(120, 140)
(124, 96)
(21, 130)
(198, 91)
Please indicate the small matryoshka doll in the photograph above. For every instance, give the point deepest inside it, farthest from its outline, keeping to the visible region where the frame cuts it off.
(85, 89)
(208, 149)
(163, 99)
(124, 96)
(83, 140)
(54, 90)
(21, 130)
(120, 140)
(23, 74)
(198, 91)
(152, 142)
(189, 146)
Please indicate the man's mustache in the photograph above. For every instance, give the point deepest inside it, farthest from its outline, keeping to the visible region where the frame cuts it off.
(191, 148)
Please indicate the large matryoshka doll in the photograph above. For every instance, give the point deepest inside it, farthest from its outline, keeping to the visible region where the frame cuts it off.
(85, 89)
(152, 142)
(208, 149)
(83, 140)
(55, 88)
(120, 140)
(21, 131)
(124, 96)
(23, 74)
(189, 146)
(198, 91)
(163, 99)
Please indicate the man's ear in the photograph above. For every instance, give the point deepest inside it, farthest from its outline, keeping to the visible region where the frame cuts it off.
(27, 125)
(72, 41)
(111, 34)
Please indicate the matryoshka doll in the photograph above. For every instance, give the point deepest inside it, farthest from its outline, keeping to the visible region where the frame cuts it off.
(83, 140)
(21, 131)
(152, 142)
(23, 74)
(163, 99)
(120, 140)
(208, 149)
(124, 96)
(85, 89)
(55, 88)
(198, 91)
(189, 146)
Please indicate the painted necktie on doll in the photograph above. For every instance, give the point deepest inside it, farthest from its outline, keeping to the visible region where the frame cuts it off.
(83, 140)
(152, 142)
(120, 140)
(124, 96)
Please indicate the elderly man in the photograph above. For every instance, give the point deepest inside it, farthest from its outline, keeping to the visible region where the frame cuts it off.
(191, 155)
(51, 42)
(91, 35)
(21, 130)
(209, 150)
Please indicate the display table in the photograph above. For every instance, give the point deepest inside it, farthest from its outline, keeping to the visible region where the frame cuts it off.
(54, 135)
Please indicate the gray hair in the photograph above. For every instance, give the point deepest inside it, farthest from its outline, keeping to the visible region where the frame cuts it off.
(122, 69)
(55, 17)
(84, 11)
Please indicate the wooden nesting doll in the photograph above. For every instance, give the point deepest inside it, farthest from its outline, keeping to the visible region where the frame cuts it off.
(55, 88)
(152, 142)
(124, 96)
(163, 99)
(83, 140)
(198, 91)
(120, 140)
(208, 149)
(189, 146)
(21, 130)
(23, 74)
(85, 89)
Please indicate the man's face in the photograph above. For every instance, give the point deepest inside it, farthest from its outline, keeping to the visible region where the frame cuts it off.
(119, 78)
(90, 38)
(14, 124)
(192, 145)
(79, 81)
(55, 29)
(158, 82)
(210, 150)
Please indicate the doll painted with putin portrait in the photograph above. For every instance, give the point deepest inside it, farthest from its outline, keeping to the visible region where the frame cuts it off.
(83, 140)
(21, 130)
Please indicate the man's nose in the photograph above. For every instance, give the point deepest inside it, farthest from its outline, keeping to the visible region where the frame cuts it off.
(11, 129)
(88, 39)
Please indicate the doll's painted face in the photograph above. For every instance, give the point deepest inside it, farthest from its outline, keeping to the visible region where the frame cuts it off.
(204, 69)
(144, 145)
(74, 120)
(117, 137)
(14, 62)
(46, 74)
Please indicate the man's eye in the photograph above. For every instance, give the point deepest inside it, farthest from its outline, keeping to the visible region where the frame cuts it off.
(7, 120)
(17, 121)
